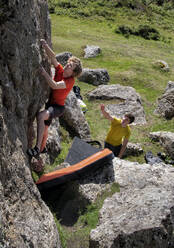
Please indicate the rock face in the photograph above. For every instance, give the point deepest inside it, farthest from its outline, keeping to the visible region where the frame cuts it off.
(141, 215)
(25, 221)
(165, 106)
(129, 101)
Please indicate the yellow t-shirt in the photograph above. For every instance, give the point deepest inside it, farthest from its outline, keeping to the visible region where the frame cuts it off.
(117, 132)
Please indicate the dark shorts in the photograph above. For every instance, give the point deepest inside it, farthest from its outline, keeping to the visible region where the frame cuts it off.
(114, 149)
(55, 110)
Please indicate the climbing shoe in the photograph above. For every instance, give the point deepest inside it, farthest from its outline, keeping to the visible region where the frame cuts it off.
(33, 152)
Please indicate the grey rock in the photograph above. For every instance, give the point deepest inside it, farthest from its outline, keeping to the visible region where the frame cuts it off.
(94, 76)
(151, 159)
(25, 220)
(127, 100)
(97, 182)
(91, 51)
(170, 85)
(62, 58)
(162, 65)
(53, 145)
(141, 215)
(74, 119)
(133, 149)
(166, 140)
(165, 106)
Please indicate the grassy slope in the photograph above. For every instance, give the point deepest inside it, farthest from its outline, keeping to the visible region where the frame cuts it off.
(128, 61)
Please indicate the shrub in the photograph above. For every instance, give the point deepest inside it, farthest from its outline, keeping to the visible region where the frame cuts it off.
(144, 31)
(125, 30)
(66, 4)
(52, 5)
(148, 33)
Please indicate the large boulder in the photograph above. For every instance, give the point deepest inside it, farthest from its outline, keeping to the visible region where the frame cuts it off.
(25, 220)
(165, 106)
(94, 76)
(141, 215)
(127, 100)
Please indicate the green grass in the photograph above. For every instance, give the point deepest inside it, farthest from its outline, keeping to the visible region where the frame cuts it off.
(130, 62)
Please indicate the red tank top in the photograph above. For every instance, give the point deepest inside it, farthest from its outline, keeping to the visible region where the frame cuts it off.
(59, 96)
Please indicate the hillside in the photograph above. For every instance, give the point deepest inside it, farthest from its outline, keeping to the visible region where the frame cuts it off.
(111, 9)
(128, 58)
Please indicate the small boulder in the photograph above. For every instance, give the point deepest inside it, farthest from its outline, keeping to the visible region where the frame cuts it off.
(166, 140)
(133, 149)
(91, 51)
(162, 65)
(165, 106)
(94, 76)
(62, 58)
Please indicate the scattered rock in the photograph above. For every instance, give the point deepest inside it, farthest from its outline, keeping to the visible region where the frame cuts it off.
(133, 149)
(166, 140)
(165, 106)
(94, 76)
(91, 51)
(151, 159)
(163, 65)
(62, 58)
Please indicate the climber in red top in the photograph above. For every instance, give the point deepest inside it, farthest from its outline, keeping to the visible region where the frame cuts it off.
(61, 85)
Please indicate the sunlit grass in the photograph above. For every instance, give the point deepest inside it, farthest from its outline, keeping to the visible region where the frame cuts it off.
(129, 62)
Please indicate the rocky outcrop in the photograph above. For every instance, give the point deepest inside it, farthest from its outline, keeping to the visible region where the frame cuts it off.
(94, 76)
(141, 215)
(165, 106)
(25, 220)
(91, 51)
(166, 140)
(127, 101)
